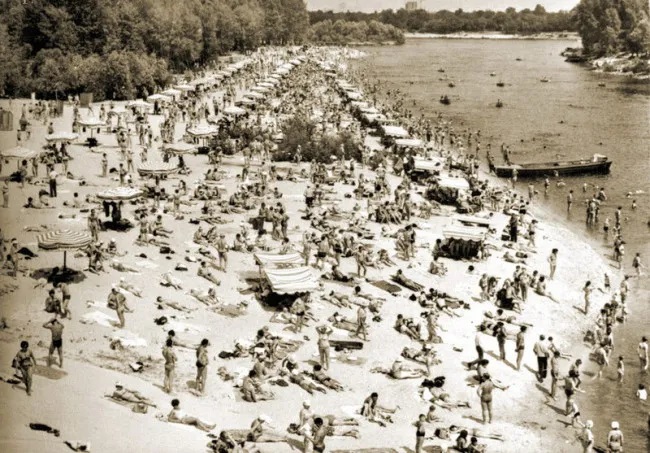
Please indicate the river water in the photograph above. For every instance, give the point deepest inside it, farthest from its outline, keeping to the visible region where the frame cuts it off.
(572, 116)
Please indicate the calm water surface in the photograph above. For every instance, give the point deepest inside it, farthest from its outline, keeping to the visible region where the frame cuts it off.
(569, 117)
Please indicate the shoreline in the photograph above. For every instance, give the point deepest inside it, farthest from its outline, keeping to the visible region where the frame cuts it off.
(556, 36)
(565, 322)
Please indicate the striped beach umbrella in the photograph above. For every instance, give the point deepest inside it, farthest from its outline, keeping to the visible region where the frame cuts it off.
(180, 148)
(157, 168)
(120, 193)
(64, 240)
(19, 152)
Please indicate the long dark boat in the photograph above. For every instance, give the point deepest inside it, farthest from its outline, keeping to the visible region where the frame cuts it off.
(598, 164)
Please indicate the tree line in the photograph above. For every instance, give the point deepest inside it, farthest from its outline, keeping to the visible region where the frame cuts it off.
(126, 48)
(511, 21)
(611, 26)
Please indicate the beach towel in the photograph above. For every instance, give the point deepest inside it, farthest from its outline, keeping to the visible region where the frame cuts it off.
(97, 317)
(387, 286)
(127, 338)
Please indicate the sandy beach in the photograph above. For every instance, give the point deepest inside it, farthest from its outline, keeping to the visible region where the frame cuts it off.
(72, 399)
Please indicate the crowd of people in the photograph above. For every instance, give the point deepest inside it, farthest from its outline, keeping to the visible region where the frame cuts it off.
(345, 310)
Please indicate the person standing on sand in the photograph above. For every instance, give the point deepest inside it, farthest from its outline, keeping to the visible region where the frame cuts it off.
(56, 328)
(104, 165)
(324, 333)
(25, 362)
(170, 365)
(569, 200)
(484, 392)
(222, 251)
(420, 432)
(202, 365)
(643, 353)
(520, 345)
(637, 265)
(555, 373)
(65, 299)
(117, 302)
(587, 290)
(541, 351)
(5, 194)
(362, 329)
(552, 261)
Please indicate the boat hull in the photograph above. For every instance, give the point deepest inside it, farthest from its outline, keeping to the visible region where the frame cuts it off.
(553, 168)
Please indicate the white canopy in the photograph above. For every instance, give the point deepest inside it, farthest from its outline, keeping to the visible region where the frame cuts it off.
(409, 142)
(291, 280)
(234, 111)
(395, 131)
(428, 164)
(171, 92)
(278, 261)
(159, 97)
(91, 122)
(203, 130)
(184, 87)
(454, 183)
(139, 103)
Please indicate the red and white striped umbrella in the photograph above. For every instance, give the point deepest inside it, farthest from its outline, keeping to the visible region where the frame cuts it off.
(120, 193)
(157, 168)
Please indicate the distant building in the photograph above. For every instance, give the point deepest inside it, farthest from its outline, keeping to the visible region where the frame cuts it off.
(411, 5)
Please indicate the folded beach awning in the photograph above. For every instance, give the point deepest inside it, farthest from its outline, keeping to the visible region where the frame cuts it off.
(234, 111)
(274, 260)
(428, 165)
(454, 183)
(473, 220)
(140, 104)
(292, 280)
(159, 97)
(409, 142)
(464, 233)
(91, 122)
(395, 131)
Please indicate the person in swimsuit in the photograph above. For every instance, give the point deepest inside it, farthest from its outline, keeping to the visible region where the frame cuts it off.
(420, 432)
(179, 416)
(25, 362)
(57, 340)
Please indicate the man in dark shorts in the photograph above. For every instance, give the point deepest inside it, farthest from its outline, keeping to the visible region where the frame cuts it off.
(65, 300)
(56, 328)
(485, 393)
(202, 365)
(318, 438)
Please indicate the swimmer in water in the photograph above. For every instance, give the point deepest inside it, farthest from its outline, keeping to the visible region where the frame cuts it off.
(634, 205)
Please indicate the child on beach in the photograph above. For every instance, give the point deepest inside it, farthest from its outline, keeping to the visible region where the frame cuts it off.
(642, 393)
(620, 369)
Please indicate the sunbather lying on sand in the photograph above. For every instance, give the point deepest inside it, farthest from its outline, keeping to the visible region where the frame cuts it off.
(400, 371)
(179, 416)
(205, 273)
(167, 279)
(121, 267)
(123, 395)
(375, 413)
(320, 376)
(208, 298)
(408, 327)
(341, 322)
(162, 303)
(426, 355)
(263, 431)
(401, 279)
(126, 286)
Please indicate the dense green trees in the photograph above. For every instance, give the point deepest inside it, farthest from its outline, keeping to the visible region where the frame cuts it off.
(344, 32)
(610, 26)
(126, 48)
(525, 21)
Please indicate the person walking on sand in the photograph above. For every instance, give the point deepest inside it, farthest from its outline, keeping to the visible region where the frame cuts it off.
(104, 165)
(484, 392)
(65, 299)
(552, 261)
(362, 329)
(5, 194)
(555, 373)
(587, 437)
(170, 365)
(637, 265)
(643, 353)
(56, 328)
(541, 351)
(202, 365)
(25, 363)
(222, 251)
(520, 345)
(587, 290)
(117, 302)
(569, 200)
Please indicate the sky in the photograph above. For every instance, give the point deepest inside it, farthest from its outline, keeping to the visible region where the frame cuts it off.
(433, 5)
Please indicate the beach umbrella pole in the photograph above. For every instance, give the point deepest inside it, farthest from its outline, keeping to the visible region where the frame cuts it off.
(65, 258)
